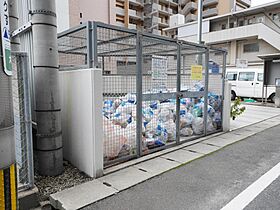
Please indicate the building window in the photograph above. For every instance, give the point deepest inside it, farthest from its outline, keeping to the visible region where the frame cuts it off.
(241, 23)
(231, 25)
(260, 19)
(254, 47)
(250, 21)
(224, 26)
(260, 77)
(232, 76)
(246, 76)
(275, 16)
(81, 15)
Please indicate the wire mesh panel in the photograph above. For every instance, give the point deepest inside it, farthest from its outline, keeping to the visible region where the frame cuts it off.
(192, 86)
(217, 64)
(159, 93)
(72, 48)
(116, 51)
(22, 118)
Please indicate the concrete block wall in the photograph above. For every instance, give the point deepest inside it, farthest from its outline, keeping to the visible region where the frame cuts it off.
(81, 102)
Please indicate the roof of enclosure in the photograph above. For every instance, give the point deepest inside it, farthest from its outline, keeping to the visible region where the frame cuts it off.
(117, 41)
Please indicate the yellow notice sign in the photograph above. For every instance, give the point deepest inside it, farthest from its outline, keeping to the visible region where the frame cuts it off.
(196, 72)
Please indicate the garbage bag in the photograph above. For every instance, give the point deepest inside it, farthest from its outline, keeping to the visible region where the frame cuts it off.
(147, 114)
(130, 98)
(170, 127)
(152, 126)
(117, 103)
(121, 119)
(197, 126)
(210, 126)
(165, 115)
(211, 111)
(114, 139)
(108, 107)
(130, 134)
(186, 131)
(127, 108)
(186, 120)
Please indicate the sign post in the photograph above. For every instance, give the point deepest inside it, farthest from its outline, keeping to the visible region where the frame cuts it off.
(5, 37)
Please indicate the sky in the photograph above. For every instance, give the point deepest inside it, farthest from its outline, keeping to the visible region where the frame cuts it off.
(259, 2)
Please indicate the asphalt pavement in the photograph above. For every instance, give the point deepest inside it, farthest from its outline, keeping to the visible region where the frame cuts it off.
(210, 182)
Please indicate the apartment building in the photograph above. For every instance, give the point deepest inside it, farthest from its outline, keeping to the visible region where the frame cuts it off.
(245, 34)
(148, 15)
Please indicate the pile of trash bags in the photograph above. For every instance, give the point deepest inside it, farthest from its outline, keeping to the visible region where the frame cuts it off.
(158, 118)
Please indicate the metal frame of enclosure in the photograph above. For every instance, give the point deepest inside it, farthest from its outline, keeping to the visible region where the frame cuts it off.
(23, 121)
(132, 88)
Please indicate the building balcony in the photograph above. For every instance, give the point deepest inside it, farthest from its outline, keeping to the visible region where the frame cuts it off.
(163, 24)
(256, 31)
(157, 32)
(184, 2)
(173, 3)
(136, 15)
(132, 26)
(245, 2)
(190, 18)
(207, 3)
(164, 10)
(119, 11)
(119, 24)
(210, 12)
(155, 20)
(191, 6)
(137, 3)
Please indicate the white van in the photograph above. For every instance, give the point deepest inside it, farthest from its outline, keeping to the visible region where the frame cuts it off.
(248, 82)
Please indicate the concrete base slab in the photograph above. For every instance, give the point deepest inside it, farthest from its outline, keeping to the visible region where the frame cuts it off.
(157, 166)
(125, 178)
(81, 195)
(202, 148)
(220, 142)
(182, 156)
(233, 136)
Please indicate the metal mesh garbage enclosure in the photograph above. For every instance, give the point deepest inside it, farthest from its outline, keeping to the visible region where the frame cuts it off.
(157, 91)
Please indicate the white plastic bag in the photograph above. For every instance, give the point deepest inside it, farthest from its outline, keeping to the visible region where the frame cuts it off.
(121, 119)
(165, 115)
(186, 131)
(152, 125)
(114, 139)
(170, 127)
(186, 120)
(210, 126)
(197, 126)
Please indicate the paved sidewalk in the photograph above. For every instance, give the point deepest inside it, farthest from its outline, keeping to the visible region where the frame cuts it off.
(113, 183)
(212, 182)
(253, 114)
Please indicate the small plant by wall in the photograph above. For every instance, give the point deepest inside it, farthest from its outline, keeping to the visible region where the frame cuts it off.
(236, 108)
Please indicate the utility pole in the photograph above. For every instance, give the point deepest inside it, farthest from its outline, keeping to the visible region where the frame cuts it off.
(199, 21)
(48, 143)
(8, 183)
(199, 29)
